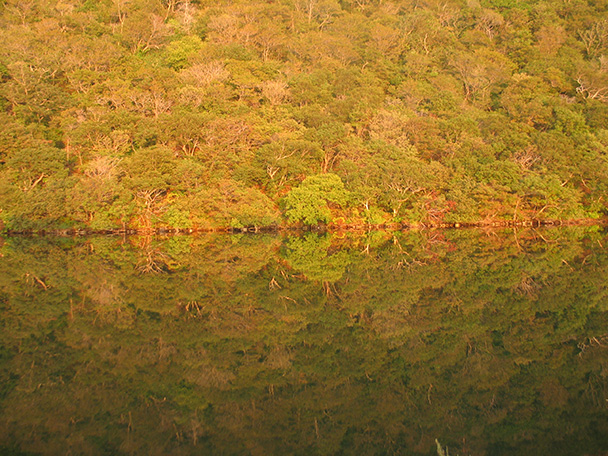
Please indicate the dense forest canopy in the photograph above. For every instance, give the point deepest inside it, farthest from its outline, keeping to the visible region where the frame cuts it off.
(201, 114)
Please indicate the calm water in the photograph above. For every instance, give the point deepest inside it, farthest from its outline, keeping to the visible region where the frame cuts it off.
(490, 343)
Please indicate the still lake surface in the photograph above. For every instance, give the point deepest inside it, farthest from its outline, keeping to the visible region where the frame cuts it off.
(481, 342)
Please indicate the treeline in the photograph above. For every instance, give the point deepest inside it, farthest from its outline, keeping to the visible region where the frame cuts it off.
(202, 114)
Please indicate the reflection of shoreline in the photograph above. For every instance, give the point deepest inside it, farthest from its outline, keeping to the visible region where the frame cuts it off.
(454, 334)
(484, 224)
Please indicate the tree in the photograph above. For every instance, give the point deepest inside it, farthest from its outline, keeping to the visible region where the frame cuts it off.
(308, 203)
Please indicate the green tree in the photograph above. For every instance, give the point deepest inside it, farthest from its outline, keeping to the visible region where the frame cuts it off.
(308, 203)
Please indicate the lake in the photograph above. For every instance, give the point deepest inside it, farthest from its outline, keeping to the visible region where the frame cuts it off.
(460, 342)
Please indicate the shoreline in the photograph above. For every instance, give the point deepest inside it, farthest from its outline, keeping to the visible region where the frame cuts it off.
(320, 228)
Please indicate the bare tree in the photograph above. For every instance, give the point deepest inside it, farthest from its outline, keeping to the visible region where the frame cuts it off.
(595, 38)
(592, 89)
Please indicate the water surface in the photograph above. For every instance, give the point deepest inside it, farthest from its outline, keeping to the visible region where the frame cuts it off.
(490, 343)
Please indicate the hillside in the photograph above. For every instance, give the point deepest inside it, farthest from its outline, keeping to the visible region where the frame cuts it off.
(206, 114)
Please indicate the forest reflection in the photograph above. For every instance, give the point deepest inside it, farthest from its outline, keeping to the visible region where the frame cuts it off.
(488, 342)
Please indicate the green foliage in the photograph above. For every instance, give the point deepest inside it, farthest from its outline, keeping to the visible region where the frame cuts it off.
(177, 218)
(309, 255)
(308, 202)
(179, 51)
(570, 123)
(133, 110)
(150, 169)
(230, 204)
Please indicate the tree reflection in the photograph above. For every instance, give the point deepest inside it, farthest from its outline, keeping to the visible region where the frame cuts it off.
(488, 343)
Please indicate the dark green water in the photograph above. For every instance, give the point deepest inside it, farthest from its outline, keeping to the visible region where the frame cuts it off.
(492, 343)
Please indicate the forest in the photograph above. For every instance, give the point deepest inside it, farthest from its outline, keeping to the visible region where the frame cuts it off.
(208, 114)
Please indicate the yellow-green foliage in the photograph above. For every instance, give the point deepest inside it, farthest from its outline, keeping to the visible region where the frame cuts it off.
(125, 113)
(309, 201)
